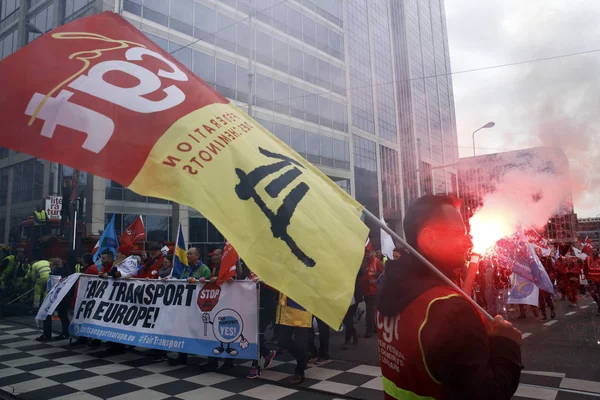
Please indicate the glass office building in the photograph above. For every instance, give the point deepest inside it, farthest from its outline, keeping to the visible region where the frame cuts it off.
(351, 85)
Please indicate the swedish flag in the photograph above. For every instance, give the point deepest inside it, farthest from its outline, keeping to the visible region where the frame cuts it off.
(180, 261)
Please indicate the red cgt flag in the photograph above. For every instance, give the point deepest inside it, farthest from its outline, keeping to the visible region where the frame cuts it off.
(229, 261)
(134, 232)
(99, 96)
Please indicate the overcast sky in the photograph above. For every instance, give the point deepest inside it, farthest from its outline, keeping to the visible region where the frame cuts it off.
(555, 102)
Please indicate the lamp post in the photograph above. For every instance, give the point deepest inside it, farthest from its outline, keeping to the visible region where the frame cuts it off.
(488, 125)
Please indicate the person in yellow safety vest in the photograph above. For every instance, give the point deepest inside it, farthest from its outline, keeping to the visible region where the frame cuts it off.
(79, 266)
(8, 265)
(293, 327)
(40, 217)
(39, 273)
(14, 270)
(21, 284)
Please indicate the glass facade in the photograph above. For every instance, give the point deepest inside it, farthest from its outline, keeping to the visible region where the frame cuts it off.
(332, 79)
(427, 124)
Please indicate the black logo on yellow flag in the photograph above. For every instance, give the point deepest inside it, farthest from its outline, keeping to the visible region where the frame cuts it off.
(280, 220)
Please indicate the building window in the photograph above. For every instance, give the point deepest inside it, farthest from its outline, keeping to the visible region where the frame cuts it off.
(426, 178)
(298, 141)
(226, 32)
(365, 173)
(28, 181)
(205, 237)
(205, 19)
(4, 186)
(44, 21)
(114, 191)
(226, 78)
(204, 67)
(9, 44)
(341, 154)
(282, 132)
(390, 183)
(343, 183)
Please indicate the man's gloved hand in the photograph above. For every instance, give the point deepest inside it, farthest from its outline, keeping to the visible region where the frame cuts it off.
(503, 328)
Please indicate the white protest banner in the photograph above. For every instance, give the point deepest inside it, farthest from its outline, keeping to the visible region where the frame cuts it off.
(204, 319)
(58, 292)
(128, 267)
(53, 207)
(523, 291)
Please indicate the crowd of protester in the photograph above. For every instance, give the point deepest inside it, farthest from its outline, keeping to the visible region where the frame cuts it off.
(294, 329)
(571, 274)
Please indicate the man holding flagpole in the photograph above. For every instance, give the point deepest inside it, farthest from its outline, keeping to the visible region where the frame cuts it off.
(434, 343)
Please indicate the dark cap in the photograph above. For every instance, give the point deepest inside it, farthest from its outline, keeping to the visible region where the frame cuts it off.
(154, 246)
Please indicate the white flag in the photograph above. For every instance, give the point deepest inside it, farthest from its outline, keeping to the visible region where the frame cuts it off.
(523, 291)
(55, 295)
(387, 243)
(578, 253)
(128, 267)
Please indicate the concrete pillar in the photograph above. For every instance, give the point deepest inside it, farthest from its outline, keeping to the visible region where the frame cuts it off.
(95, 204)
(21, 30)
(180, 214)
(59, 12)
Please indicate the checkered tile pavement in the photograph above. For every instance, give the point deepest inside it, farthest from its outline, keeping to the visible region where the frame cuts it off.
(57, 370)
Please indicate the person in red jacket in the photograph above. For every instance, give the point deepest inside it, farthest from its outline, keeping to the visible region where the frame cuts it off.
(433, 343)
(107, 262)
(151, 267)
(372, 268)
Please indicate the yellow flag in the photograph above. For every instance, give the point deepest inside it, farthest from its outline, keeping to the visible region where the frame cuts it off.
(108, 101)
(293, 226)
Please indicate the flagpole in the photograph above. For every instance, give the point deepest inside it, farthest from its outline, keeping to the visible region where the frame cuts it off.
(419, 257)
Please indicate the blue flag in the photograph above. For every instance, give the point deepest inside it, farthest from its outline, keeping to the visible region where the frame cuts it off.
(180, 261)
(517, 252)
(108, 240)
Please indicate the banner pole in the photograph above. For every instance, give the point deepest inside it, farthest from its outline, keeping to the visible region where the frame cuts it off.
(258, 323)
(26, 293)
(431, 267)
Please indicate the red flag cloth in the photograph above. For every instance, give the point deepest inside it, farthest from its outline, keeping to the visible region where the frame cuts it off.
(587, 247)
(95, 94)
(228, 267)
(134, 232)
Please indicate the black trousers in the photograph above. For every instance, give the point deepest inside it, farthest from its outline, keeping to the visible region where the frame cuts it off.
(266, 316)
(63, 313)
(294, 339)
(370, 314)
(545, 300)
(323, 351)
(349, 328)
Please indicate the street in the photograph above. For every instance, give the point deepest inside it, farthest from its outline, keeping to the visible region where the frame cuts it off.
(559, 356)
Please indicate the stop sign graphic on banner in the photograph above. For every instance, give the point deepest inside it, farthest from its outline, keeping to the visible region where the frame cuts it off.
(209, 297)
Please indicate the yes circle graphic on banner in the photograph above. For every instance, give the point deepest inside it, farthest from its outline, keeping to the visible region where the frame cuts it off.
(228, 325)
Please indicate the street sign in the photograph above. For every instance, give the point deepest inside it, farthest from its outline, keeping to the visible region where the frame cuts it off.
(209, 296)
(53, 207)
